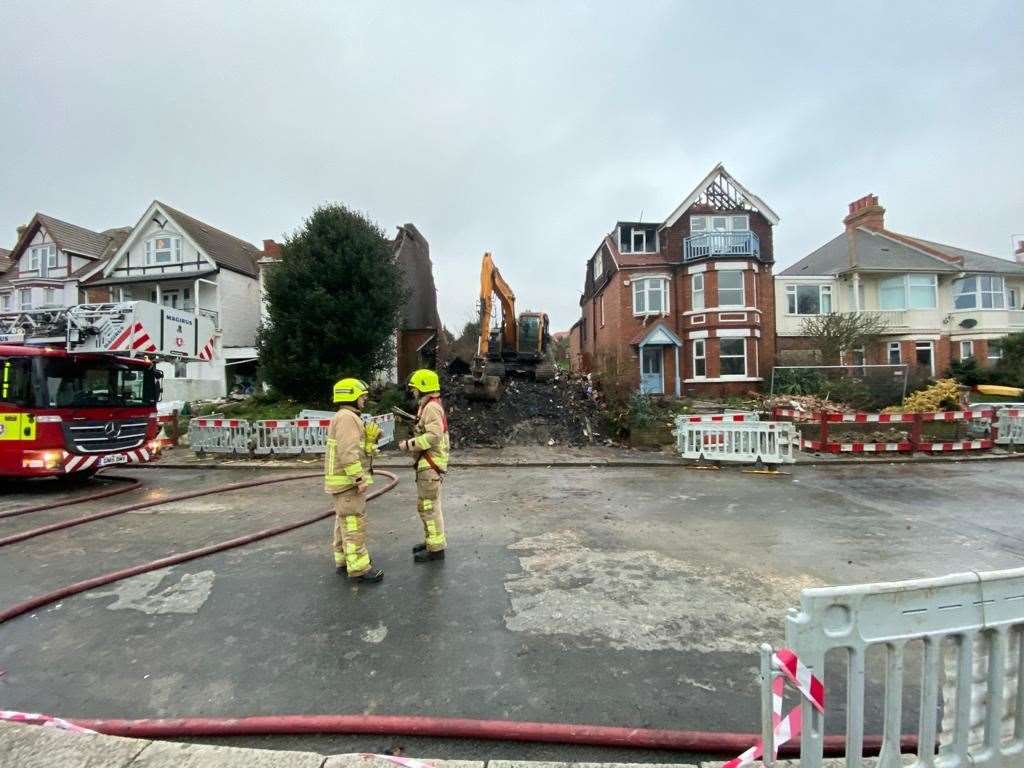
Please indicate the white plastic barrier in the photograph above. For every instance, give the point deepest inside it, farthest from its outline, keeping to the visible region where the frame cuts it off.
(272, 436)
(966, 628)
(747, 442)
(1010, 424)
(219, 435)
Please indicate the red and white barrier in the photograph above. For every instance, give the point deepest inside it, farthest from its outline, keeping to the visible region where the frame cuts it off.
(960, 445)
(871, 418)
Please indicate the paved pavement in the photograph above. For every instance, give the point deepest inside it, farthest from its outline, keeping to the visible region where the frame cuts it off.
(608, 595)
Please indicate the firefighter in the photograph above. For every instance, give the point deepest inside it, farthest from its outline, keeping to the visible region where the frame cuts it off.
(348, 472)
(429, 445)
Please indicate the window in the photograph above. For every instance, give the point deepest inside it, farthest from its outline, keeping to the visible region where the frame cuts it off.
(1013, 298)
(96, 383)
(40, 255)
(857, 356)
(638, 238)
(966, 349)
(730, 288)
(895, 353)
(908, 292)
(180, 369)
(995, 352)
(808, 299)
(25, 298)
(50, 296)
(924, 355)
(979, 292)
(52, 259)
(163, 249)
(650, 296)
(598, 266)
(602, 310)
(700, 224)
(700, 362)
(15, 381)
(732, 357)
(697, 291)
(5, 302)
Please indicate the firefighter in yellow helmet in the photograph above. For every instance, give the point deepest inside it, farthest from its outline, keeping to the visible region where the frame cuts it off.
(348, 472)
(429, 445)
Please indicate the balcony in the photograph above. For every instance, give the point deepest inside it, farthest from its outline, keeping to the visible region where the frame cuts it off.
(744, 243)
(894, 318)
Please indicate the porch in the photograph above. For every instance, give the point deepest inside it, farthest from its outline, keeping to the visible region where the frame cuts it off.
(193, 294)
(659, 360)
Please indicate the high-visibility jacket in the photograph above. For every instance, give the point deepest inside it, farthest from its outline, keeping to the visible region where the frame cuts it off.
(347, 462)
(431, 443)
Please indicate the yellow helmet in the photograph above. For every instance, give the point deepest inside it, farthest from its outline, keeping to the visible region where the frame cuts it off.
(425, 381)
(350, 390)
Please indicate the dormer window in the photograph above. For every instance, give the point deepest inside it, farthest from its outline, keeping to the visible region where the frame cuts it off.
(598, 266)
(163, 249)
(638, 238)
(41, 254)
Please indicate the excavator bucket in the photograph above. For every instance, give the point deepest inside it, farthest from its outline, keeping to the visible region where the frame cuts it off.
(483, 388)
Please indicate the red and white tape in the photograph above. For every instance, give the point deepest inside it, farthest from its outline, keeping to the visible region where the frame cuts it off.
(785, 728)
(48, 721)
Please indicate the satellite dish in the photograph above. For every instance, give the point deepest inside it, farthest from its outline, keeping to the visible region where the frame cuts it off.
(969, 322)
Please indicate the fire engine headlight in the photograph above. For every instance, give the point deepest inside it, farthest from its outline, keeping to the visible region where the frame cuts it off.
(42, 460)
(155, 445)
(51, 459)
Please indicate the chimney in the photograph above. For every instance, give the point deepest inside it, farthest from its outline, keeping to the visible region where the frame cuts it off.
(272, 248)
(21, 231)
(867, 213)
(1018, 255)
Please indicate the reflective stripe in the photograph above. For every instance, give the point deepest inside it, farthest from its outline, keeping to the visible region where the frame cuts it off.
(356, 563)
(441, 461)
(434, 539)
(339, 558)
(354, 469)
(422, 441)
(426, 505)
(351, 523)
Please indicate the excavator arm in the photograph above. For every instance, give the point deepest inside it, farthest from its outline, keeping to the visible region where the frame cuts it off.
(493, 284)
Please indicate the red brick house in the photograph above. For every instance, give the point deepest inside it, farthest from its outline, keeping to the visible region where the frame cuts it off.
(684, 306)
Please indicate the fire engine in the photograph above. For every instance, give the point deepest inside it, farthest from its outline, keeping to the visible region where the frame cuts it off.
(79, 385)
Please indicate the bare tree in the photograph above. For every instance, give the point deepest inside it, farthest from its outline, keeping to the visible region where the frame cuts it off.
(838, 332)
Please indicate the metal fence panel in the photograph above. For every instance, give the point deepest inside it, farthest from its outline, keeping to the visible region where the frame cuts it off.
(219, 435)
(980, 615)
(1010, 424)
(736, 441)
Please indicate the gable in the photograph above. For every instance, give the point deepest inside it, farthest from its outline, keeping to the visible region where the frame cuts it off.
(720, 191)
(154, 231)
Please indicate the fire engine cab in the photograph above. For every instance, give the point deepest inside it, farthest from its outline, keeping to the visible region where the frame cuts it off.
(79, 385)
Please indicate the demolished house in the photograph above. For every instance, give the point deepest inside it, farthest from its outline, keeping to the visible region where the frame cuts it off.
(420, 341)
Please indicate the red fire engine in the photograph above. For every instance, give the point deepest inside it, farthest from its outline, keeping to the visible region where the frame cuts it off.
(79, 386)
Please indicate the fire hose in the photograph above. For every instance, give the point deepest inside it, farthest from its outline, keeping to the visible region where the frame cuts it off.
(130, 484)
(709, 742)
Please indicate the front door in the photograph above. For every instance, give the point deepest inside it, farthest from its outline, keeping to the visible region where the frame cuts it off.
(651, 381)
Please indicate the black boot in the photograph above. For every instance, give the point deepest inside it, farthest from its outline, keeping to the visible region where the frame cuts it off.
(419, 548)
(372, 576)
(341, 570)
(423, 556)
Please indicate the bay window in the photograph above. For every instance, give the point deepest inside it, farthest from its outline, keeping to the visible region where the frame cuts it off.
(730, 288)
(697, 291)
(995, 351)
(979, 292)
(650, 296)
(908, 292)
(732, 357)
(5, 301)
(808, 299)
(25, 298)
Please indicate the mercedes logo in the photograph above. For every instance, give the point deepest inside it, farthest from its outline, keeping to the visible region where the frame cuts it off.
(110, 429)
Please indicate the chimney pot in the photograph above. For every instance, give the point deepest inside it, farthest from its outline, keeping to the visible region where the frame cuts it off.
(1019, 253)
(272, 248)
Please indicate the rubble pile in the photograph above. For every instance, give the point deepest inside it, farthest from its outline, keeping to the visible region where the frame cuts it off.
(559, 412)
(809, 405)
(875, 436)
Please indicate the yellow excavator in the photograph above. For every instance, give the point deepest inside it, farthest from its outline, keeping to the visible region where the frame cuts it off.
(518, 346)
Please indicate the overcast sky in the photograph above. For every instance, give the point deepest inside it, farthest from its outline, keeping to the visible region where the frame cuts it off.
(526, 129)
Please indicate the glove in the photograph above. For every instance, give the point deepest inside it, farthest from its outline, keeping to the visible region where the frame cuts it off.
(373, 432)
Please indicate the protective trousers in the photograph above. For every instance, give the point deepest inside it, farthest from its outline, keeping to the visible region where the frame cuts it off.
(428, 491)
(350, 532)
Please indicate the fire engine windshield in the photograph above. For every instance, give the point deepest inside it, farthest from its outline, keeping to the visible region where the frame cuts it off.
(78, 383)
(15, 381)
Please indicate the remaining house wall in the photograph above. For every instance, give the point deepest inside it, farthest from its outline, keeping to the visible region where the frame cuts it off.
(192, 389)
(239, 308)
(135, 255)
(575, 349)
